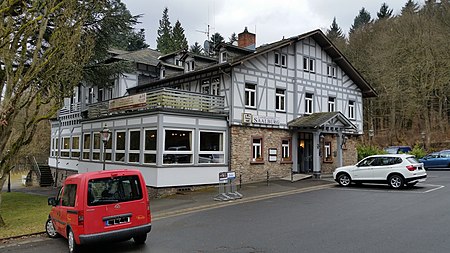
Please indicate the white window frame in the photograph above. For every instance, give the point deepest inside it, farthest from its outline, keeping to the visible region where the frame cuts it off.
(149, 151)
(218, 152)
(286, 150)
(96, 149)
(223, 56)
(309, 64)
(257, 148)
(119, 151)
(128, 147)
(331, 104)
(87, 149)
(283, 60)
(280, 100)
(250, 96)
(309, 103)
(351, 109)
(206, 86)
(327, 152)
(276, 59)
(65, 149)
(168, 152)
(75, 149)
(215, 86)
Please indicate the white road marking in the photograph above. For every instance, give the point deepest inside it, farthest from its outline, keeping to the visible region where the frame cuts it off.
(437, 187)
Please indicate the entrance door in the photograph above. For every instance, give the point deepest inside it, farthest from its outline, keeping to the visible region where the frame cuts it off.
(305, 152)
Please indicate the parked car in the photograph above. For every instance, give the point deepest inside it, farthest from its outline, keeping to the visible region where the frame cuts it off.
(398, 149)
(439, 159)
(397, 170)
(100, 206)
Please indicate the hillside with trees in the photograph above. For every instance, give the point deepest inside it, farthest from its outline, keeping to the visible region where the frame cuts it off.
(406, 58)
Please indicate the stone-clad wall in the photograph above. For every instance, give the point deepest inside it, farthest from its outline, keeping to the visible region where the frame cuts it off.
(241, 153)
(349, 153)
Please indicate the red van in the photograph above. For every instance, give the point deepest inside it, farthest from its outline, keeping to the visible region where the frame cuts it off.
(109, 205)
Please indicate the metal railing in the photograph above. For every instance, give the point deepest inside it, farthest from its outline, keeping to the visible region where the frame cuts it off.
(164, 98)
(35, 167)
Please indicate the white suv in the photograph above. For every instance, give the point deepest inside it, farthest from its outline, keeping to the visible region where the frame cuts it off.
(397, 170)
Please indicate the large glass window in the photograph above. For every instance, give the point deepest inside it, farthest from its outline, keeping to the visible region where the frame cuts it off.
(65, 151)
(135, 146)
(250, 95)
(309, 103)
(280, 100)
(76, 146)
(86, 146)
(177, 146)
(150, 146)
(97, 145)
(120, 146)
(211, 147)
(205, 86)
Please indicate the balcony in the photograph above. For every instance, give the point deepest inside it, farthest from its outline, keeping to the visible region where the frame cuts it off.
(160, 98)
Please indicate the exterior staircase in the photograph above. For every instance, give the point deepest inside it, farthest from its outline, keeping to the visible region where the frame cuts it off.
(46, 176)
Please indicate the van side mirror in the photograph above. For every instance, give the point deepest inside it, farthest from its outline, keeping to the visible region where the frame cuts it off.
(51, 201)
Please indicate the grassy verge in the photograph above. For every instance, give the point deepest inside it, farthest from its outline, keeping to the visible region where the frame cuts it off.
(23, 213)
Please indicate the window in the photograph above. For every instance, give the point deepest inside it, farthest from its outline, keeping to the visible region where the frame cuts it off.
(134, 146)
(163, 73)
(351, 109)
(331, 71)
(120, 146)
(211, 147)
(97, 145)
(223, 57)
(279, 103)
(150, 146)
(327, 152)
(257, 149)
(277, 59)
(177, 147)
(309, 64)
(309, 103)
(69, 195)
(215, 86)
(283, 60)
(109, 190)
(286, 150)
(331, 104)
(86, 146)
(205, 86)
(65, 150)
(190, 65)
(76, 146)
(250, 95)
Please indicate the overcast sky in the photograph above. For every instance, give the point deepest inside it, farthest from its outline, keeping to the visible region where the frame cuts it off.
(269, 19)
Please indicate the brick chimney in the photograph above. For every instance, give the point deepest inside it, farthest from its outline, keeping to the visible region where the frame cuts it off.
(247, 39)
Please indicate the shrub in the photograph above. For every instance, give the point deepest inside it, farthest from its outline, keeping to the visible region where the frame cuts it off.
(365, 151)
(418, 151)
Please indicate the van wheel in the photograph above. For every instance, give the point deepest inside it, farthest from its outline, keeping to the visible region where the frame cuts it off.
(73, 246)
(140, 239)
(50, 229)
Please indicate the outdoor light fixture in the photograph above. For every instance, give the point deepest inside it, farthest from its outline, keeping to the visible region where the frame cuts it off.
(106, 134)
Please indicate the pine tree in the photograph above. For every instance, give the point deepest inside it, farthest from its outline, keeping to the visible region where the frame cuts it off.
(336, 35)
(196, 48)
(361, 20)
(216, 39)
(384, 12)
(233, 38)
(179, 40)
(164, 39)
(410, 7)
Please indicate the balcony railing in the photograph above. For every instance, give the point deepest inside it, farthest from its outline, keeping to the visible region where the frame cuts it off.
(161, 98)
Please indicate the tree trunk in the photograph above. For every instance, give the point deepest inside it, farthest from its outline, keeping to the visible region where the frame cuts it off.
(2, 182)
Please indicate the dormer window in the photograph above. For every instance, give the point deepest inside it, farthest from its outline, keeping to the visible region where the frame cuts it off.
(223, 57)
(190, 66)
(163, 73)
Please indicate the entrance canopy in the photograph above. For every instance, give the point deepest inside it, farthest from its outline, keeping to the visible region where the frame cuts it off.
(324, 121)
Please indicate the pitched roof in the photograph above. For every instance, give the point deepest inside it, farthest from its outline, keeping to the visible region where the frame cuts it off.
(146, 56)
(322, 119)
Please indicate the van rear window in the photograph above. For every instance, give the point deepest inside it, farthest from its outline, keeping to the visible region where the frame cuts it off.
(113, 190)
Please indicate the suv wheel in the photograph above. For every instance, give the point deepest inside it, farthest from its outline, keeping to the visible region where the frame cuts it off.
(50, 229)
(344, 179)
(73, 246)
(396, 181)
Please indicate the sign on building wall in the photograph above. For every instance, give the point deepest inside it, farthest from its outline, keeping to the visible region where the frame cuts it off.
(134, 101)
(248, 118)
(272, 154)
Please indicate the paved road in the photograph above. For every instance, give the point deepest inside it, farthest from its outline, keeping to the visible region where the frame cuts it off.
(355, 219)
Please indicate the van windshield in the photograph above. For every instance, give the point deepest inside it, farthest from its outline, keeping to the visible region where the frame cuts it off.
(113, 190)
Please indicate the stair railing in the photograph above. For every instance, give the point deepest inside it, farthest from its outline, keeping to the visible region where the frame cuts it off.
(35, 167)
